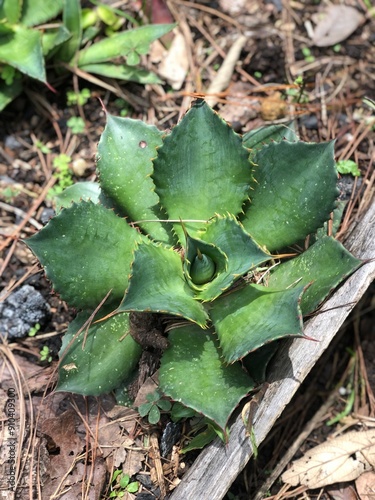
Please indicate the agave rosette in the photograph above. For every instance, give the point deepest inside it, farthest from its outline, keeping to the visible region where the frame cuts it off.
(182, 223)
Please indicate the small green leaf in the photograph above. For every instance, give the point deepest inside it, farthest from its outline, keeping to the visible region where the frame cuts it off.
(154, 415)
(164, 404)
(348, 167)
(294, 193)
(157, 284)
(109, 356)
(124, 481)
(125, 154)
(247, 318)
(201, 440)
(53, 38)
(325, 264)
(144, 409)
(201, 170)
(86, 251)
(192, 373)
(123, 44)
(133, 487)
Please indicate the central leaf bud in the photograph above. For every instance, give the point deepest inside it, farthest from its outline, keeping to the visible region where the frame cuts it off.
(202, 268)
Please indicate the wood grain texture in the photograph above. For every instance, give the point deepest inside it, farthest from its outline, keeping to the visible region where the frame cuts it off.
(218, 465)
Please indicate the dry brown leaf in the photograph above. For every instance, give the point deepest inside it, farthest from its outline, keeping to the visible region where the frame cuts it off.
(336, 24)
(365, 485)
(175, 64)
(341, 459)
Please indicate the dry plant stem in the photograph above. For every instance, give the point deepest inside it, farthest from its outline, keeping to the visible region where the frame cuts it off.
(30, 212)
(224, 75)
(218, 465)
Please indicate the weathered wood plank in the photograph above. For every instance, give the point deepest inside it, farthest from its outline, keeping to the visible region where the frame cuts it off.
(217, 466)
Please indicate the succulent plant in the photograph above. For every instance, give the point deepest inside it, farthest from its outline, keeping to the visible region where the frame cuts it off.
(204, 227)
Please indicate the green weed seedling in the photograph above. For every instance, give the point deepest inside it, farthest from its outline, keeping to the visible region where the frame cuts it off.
(76, 124)
(45, 354)
(81, 98)
(120, 484)
(348, 167)
(177, 227)
(152, 408)
(34, 330)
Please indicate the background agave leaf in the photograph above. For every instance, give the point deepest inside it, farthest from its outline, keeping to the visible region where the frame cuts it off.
(122, 72)
(290, 198)
(123, 44)
(22, 50)
(72, 22)
(249, 317)
(242, 251)
(108, 358)
(192, 373)
(257, 138)
(86, 251)
(36, 12)
(11, 10)
(325, 264)
(125, 154)
(157, 284)
(201, 169)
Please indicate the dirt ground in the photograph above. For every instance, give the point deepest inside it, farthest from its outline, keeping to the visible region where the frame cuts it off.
(245, 57)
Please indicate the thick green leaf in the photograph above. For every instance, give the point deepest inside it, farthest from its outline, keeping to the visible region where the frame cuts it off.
(294, 193)
(124, 44)
(23, 50)
(201, 169)
(10, 10)
(72, 21)
(192, 373)
(9, 92)
(325, 264)
(256, 139)
(243, 253)
(122, 72)
(36, 12)
(79, 191)
(86, 251)
(254, 315)
(109, 356)
(125, 154)
(157, 284)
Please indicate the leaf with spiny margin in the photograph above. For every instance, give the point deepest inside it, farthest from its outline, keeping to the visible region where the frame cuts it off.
(80, 191)
(257, 138)
(86, 251)
(108, 358)
(201, 169)
(125, 152)
(254, 315)
(192, 372)
(242, 251)
(294, 192)
(192, 246)
(325, 264)
(157, 284)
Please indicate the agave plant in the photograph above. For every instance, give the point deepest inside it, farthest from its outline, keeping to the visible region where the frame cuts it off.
(201, 225)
